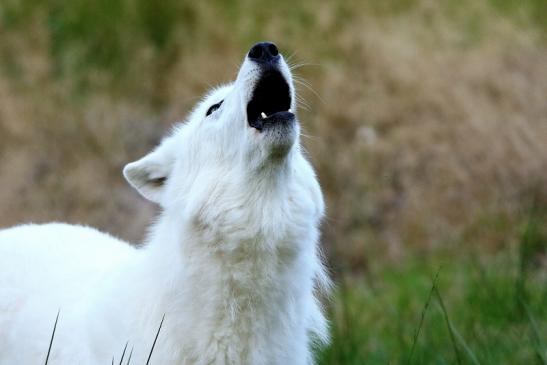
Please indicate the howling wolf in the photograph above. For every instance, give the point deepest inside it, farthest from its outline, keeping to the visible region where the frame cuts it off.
(231, 265)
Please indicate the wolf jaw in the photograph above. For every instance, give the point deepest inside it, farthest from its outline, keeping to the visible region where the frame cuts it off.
(271, 101)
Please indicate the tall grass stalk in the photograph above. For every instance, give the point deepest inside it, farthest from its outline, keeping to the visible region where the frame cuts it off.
(52, 336)
(123, 353)
(155, 339)
(422, 316)
(448, 325)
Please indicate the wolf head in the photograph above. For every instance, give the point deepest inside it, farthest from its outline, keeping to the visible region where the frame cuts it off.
(240, 133)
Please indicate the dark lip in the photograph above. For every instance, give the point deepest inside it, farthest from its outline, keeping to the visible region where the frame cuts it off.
(278, 119)
(271, 96)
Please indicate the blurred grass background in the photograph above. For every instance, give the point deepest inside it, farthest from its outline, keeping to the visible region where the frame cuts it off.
(426, 121)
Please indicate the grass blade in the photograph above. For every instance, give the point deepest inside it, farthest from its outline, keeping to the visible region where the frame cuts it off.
(448, 325)
(466, 347)
(539, 346)
(52, 336)
(422, 317)
(123, 353)
(130, 354)
(155, 339)
(463, 344)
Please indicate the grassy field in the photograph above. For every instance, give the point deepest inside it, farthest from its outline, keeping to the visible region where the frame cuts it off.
(426, 121)
(476, 314)
(445, 308)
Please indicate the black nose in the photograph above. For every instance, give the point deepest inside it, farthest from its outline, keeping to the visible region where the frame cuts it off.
(264, 52)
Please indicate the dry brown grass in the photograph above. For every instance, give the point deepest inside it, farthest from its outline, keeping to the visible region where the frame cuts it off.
(431, 137)
(431, 130)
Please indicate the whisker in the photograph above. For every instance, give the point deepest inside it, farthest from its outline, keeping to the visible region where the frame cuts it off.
(304, 106)
(302, 99)
(289, 58)
(313, 138)
(309, 87)
(302, 103)
(300, 65)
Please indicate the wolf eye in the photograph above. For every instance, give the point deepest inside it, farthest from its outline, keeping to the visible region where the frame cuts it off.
(213, 107)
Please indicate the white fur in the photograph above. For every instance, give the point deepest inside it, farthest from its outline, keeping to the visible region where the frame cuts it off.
(232, 261)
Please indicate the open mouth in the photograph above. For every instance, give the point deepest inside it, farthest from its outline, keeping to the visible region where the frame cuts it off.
(271, 101)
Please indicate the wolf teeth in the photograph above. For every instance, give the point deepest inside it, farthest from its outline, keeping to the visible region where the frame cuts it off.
(264, 116)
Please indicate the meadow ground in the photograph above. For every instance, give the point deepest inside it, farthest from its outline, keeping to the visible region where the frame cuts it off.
(448, 308)
(426, 121)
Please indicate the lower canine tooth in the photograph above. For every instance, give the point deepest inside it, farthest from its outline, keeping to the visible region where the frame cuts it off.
(263, 115)
(290, 110)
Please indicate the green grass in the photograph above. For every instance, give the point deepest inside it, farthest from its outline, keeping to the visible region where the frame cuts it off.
(456, 306)
(489, 312)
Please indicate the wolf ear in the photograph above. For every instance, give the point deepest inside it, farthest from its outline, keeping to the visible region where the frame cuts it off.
(149, 174)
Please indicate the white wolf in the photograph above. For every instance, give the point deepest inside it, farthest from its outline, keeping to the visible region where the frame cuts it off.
(232, 263)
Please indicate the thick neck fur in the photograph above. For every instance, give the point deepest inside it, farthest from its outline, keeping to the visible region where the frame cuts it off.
(236, 258)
